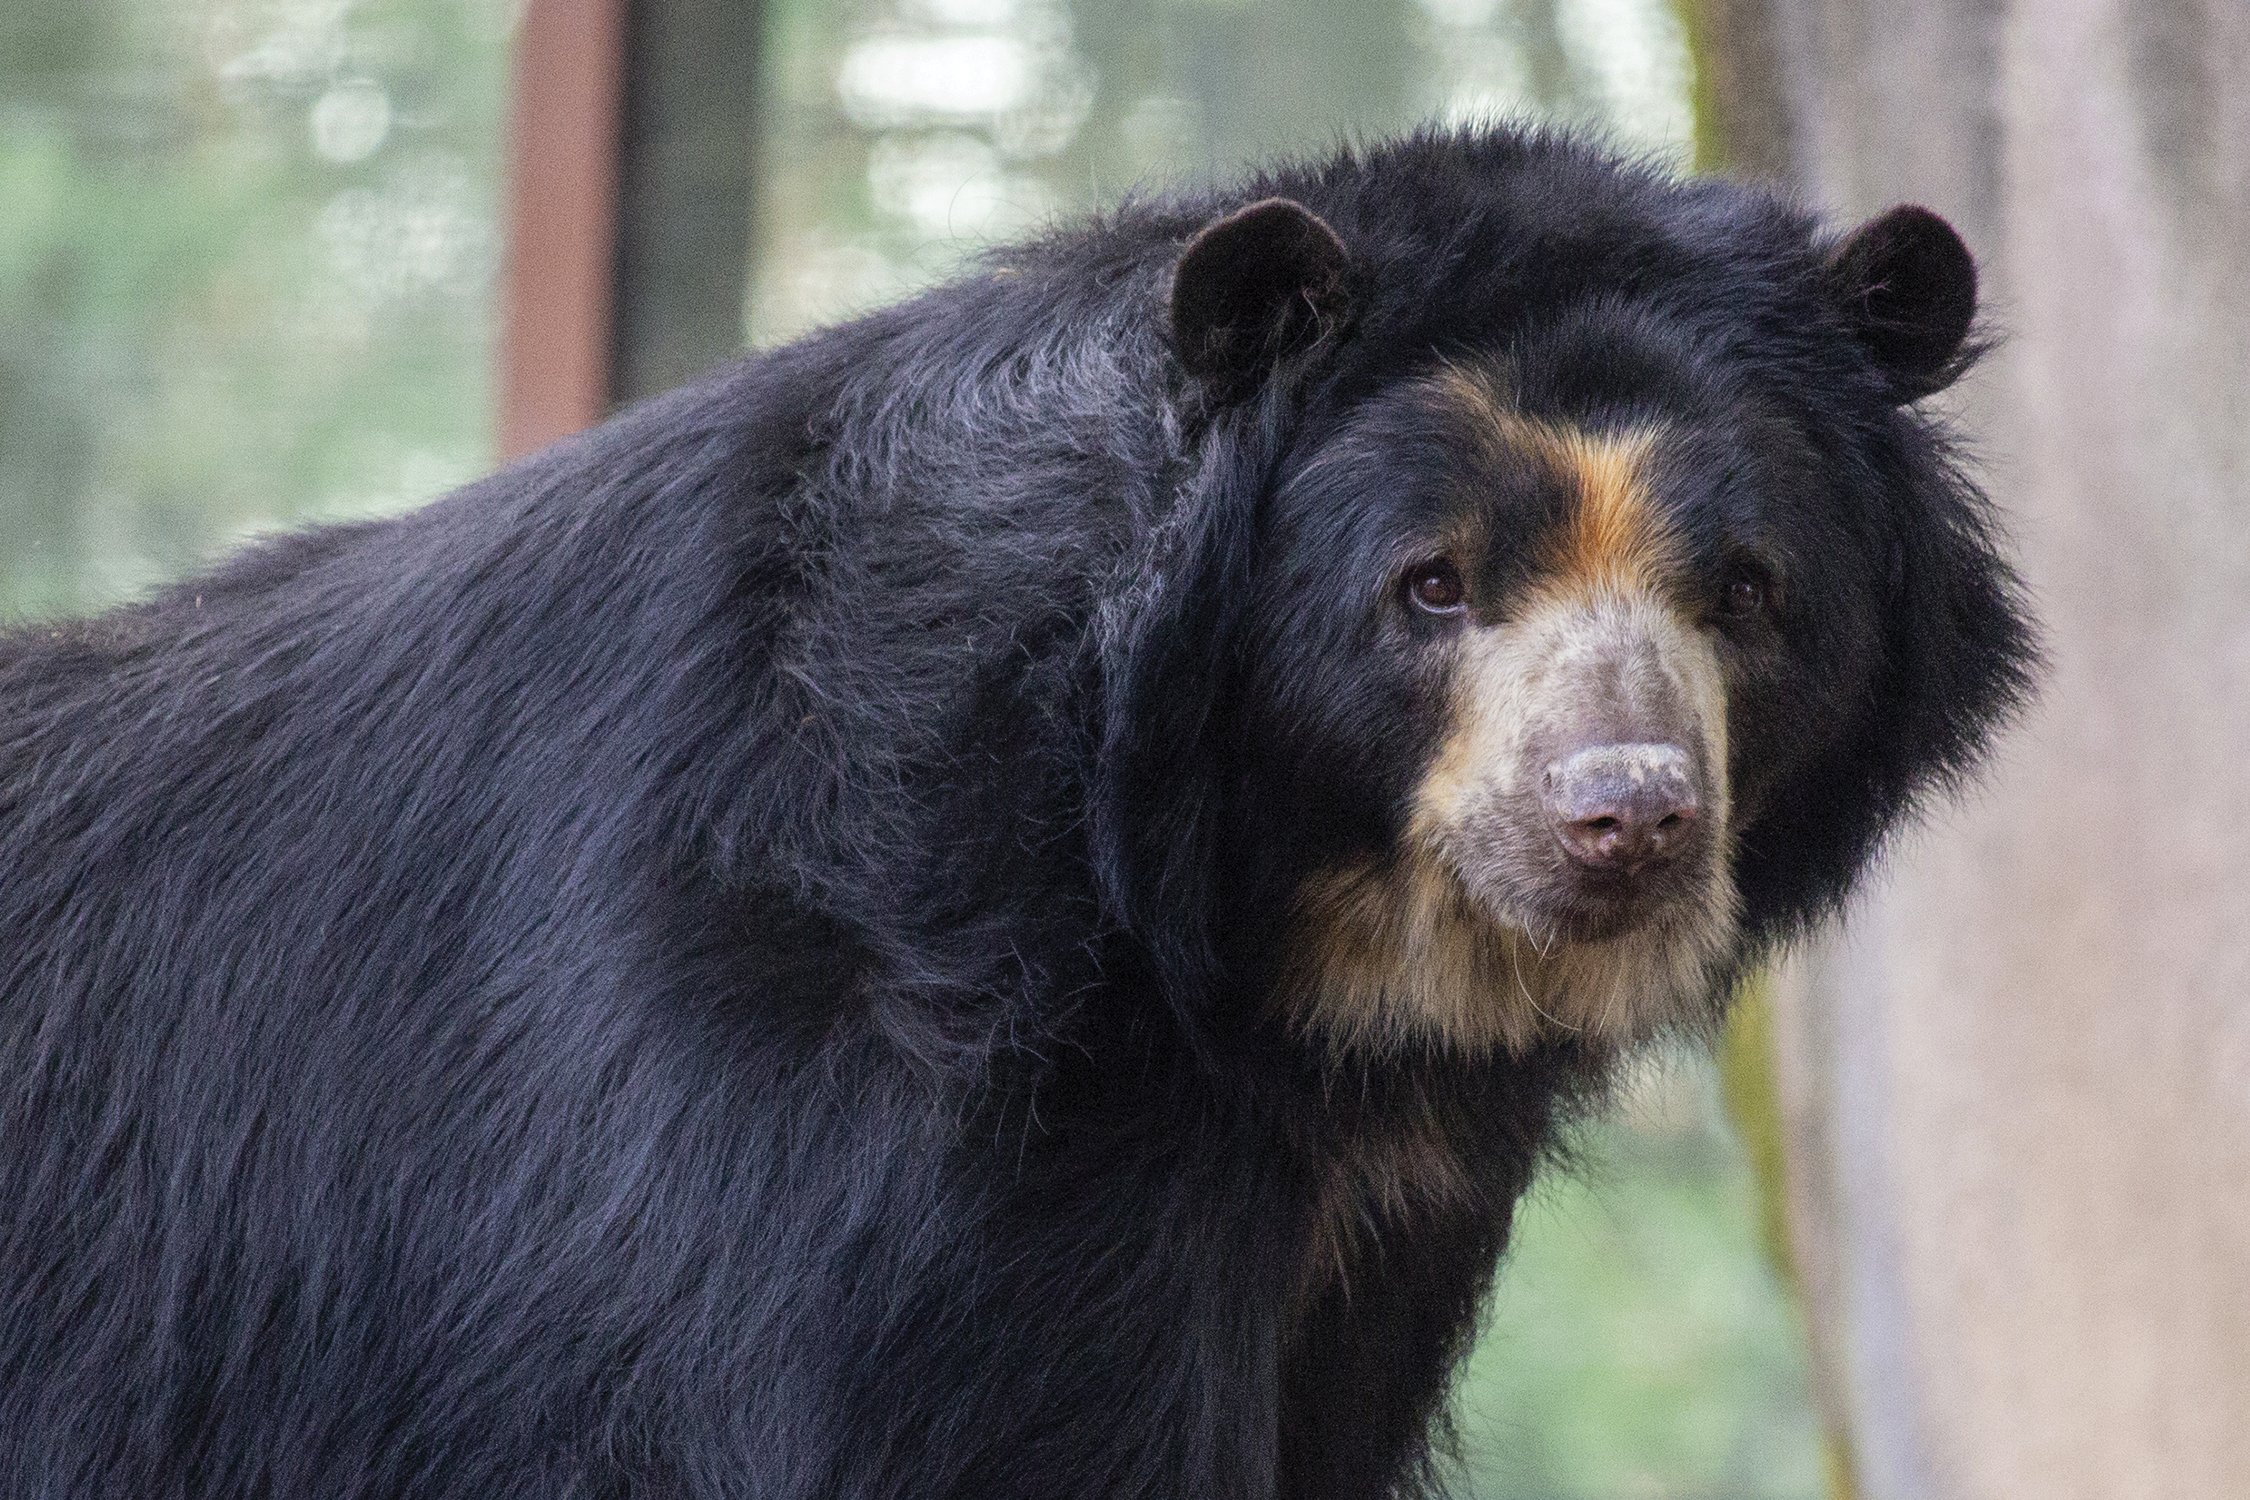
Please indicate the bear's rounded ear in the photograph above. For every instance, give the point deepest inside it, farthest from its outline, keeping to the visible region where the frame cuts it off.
(1253, 287)
(1909, 288)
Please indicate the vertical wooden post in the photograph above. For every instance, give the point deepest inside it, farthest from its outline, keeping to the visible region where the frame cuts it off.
(629, 204)
(566, 131)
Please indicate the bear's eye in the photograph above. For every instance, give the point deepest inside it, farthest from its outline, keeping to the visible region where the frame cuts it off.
(1749, 591)
(1435, 588)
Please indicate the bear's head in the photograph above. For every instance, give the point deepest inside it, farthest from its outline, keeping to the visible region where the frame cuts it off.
(1540, 639)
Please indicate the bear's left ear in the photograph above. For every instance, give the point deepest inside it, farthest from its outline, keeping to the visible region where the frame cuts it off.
(1909, 288)
(1260, 284)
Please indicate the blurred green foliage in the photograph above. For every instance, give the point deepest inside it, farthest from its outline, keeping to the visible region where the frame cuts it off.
(246, 260)
(898, 136)
(1639, 1343)
(245, 270)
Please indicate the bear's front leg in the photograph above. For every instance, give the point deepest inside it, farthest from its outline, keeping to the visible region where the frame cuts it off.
(1367, 1363)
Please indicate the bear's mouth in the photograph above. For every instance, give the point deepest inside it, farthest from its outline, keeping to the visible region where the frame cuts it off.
(1514, 866)
(1603, 909)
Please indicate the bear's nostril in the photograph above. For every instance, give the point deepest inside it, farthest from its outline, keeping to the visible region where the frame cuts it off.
(1623, 807)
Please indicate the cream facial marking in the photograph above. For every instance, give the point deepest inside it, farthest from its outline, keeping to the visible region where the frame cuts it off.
(1482, 930)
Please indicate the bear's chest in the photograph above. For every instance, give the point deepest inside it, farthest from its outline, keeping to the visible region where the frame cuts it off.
(1375, 1192)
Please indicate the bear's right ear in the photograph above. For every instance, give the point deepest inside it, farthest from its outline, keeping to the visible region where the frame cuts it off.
(1909, 288)
(1260, 284)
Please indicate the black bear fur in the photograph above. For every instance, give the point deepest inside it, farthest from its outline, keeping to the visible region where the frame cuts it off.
(726, 959)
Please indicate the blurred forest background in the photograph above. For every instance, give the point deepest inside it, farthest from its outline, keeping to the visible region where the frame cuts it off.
(247, 279)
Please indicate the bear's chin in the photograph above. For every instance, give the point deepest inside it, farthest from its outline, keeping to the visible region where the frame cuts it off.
(1416, 954)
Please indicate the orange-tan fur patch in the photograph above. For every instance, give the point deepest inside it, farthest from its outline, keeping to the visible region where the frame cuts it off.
(1615, 540)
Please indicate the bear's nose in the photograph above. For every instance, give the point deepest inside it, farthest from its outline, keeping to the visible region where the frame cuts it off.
(1622, 807)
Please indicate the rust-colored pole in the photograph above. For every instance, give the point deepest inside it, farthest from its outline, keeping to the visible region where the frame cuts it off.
(558, 340)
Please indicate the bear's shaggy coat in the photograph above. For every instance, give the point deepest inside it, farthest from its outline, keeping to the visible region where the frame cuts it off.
(755, 953)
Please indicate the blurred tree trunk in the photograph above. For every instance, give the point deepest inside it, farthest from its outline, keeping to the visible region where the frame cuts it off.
(684, 195)
(1742, 106)
(2016, 1090)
